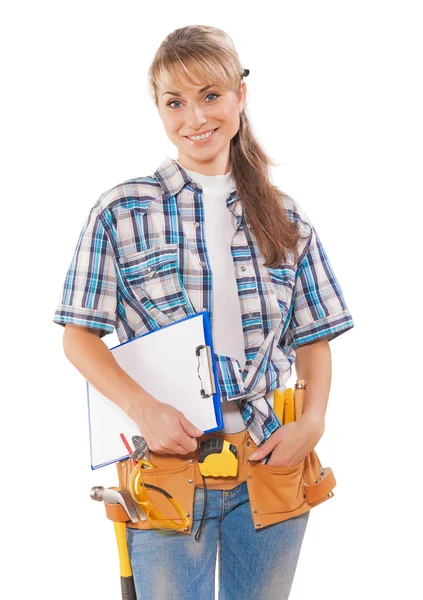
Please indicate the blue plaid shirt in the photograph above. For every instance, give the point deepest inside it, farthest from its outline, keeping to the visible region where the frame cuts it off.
(141, 263)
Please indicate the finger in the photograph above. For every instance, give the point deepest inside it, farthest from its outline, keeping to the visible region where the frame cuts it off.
(261, 452)
(170, 449)
(189, 443)
(189, 427)
(175, 448)
(177, 444)
(162, 447)
(181, 450)
(159, 450)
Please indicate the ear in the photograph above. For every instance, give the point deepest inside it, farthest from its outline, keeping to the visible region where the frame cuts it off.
(242, 96)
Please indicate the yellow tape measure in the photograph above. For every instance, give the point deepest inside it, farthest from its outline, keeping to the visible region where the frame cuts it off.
(218, 458)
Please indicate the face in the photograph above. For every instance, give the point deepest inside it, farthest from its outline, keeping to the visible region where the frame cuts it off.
(193, 110)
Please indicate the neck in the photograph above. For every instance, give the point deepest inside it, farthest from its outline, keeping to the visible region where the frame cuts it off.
(220, 166)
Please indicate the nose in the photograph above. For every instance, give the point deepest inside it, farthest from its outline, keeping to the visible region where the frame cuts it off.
(195, 117)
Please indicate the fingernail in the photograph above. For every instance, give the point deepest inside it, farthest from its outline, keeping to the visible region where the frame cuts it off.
(253, 456)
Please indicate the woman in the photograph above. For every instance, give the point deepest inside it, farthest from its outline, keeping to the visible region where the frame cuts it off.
(249, 255)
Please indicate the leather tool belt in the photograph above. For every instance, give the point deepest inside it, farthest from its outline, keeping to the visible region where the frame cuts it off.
(276, 493)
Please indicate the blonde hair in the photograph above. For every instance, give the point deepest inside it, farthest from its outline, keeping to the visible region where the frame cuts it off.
(204, 54)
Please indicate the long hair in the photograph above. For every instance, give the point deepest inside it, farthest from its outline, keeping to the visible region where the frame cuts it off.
(205, 54)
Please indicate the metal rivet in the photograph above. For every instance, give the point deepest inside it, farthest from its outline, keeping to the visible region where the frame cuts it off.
(248, 476)
(191, 460)
(187, 514)
(315, 481)
(258, 524)
(185, 528)
(189, 480)
(248, 442)
(255, 510)
(322, 473)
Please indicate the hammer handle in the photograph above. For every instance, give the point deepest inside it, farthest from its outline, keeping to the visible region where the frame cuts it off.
(126, 577)
(128, 588)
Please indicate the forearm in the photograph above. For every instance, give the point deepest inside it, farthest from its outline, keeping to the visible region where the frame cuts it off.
(314, 365)
(94, 360)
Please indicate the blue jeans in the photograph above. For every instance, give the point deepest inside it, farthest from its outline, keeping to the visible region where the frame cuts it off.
(257, 564)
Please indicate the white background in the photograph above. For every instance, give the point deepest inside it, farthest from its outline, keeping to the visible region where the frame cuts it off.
(335, 97)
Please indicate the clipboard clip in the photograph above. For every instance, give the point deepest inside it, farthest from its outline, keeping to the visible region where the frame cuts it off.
(205, 371)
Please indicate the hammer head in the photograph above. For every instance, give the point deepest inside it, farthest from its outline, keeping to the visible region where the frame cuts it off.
(118, 496)
(96, 493)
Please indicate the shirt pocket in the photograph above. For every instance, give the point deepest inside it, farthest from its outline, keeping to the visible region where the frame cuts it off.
(282, 280)
(153, 279)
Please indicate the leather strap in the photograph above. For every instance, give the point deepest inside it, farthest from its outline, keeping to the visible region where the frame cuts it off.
(318, 482)
(116, 513)
(317, 492)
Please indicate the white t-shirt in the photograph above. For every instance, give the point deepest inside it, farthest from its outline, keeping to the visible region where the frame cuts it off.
(228, 338)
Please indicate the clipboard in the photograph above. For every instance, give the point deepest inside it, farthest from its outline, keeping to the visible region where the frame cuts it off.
(175, 363)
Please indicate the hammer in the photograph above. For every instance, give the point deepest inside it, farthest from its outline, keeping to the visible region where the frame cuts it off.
(124, 498)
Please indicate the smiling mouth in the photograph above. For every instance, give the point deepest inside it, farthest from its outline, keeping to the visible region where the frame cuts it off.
(208, 135)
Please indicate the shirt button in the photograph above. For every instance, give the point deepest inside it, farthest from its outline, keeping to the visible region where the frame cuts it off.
(202, 264)
(243, 268)
(196, 224)
(250, 315)
(149, 269)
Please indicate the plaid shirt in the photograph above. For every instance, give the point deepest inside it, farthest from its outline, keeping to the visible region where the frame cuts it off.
(141, 263)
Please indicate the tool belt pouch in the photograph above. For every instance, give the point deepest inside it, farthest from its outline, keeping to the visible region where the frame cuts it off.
(173, 473)
(280, 493)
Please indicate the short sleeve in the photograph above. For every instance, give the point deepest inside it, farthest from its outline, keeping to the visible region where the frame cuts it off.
(318, 306)
(89, 294)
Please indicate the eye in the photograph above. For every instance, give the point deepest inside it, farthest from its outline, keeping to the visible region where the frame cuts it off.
(213, 94)
(177, 101)
(170, 103)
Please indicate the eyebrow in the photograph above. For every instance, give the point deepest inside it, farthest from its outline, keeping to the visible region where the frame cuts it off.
(200, 91)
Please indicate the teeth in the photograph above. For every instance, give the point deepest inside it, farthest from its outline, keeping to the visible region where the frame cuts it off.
(201, 137)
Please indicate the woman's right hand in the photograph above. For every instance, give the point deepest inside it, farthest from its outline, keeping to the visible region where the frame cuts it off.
(165, 428)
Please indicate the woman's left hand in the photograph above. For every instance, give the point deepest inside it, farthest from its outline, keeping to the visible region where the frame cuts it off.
(291, 442)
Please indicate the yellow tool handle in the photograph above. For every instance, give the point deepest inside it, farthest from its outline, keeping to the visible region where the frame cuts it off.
(278, 404)
(289, 406)
(299, 399)
(126, 578)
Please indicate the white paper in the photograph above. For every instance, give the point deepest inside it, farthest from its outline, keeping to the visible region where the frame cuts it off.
(165, 364)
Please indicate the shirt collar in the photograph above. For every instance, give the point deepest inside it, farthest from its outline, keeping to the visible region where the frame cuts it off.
(172, 177)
